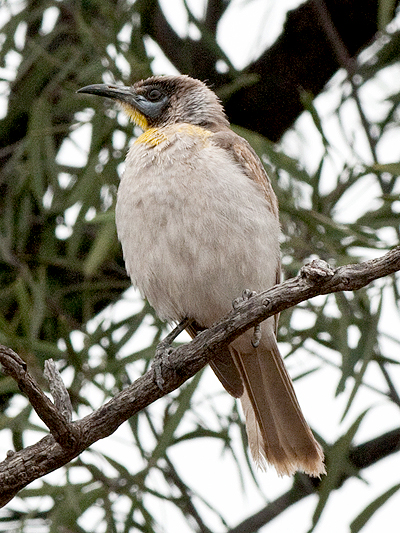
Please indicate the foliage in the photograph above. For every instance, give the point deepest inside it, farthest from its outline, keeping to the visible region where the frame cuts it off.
(63, 284)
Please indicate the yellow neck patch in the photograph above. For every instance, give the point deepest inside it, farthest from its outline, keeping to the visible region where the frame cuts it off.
(153, 136)
(137, 118)
(156, 136)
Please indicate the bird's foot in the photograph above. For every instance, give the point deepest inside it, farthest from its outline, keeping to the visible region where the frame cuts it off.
(164, 350)
(246, 295)
(160, 361)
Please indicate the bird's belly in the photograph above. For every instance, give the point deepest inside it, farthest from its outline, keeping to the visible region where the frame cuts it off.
(195, 233)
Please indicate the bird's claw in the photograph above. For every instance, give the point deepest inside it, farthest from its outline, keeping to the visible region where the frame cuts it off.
(161, 360)
(246, 295)
(164, 350)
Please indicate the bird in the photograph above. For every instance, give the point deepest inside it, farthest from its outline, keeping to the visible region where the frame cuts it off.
(198, 222)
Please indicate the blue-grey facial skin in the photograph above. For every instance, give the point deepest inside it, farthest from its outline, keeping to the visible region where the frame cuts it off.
(148, 108)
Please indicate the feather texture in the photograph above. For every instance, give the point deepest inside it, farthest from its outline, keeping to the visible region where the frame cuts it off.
(198, 222)
(277, 431)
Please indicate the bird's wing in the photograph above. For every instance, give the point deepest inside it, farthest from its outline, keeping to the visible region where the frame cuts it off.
(244, 155)
(275, 425)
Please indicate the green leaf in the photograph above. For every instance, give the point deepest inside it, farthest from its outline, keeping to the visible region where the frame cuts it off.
(359, 522)
(392, 168)
(173, 421)
(307, 99)
(106, 240)
(385, 12)
(25, 305)
(366, 349)
(338, 468)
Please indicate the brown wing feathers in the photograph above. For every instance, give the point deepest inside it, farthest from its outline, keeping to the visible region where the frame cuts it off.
(275, 425)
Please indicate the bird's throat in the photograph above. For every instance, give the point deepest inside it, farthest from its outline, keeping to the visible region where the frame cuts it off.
(156, 136)
(136, 117)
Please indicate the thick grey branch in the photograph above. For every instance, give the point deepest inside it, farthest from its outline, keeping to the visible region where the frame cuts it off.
(21, 468)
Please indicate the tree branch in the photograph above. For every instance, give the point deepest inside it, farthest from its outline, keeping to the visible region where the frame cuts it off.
(301, 58)
(350, 65)
(52, 452)
(197, 58)
(214, 11)
(361, 456)
(57, 423)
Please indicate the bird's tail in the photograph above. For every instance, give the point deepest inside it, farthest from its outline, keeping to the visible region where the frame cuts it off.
(277, 431)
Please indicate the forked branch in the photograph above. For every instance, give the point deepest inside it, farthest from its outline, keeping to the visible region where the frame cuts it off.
(68, 439)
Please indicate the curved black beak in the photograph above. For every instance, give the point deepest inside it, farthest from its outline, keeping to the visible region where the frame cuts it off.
(115, 92)
(129, 98)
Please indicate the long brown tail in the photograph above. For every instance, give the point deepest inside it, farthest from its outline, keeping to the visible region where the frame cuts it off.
(276, 428)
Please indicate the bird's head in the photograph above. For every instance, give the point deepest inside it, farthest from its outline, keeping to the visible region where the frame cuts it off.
(163, 100)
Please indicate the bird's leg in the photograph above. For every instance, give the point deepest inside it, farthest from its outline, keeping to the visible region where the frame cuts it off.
(163, 351)
(246, 295)
(255, 341)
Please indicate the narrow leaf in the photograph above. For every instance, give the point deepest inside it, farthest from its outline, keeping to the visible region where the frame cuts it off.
(367, 348)
(174, 420)
(105, 240)
(338, 467)
(359, 522)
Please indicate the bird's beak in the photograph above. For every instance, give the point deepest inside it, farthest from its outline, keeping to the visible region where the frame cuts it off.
(115, 92)
(134, 105)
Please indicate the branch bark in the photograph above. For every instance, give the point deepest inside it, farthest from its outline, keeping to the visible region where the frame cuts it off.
(52, 452)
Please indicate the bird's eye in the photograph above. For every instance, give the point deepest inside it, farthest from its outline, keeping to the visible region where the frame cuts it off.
(154, 95)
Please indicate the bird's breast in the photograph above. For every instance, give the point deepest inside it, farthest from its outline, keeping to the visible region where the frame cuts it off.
(194, 229)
